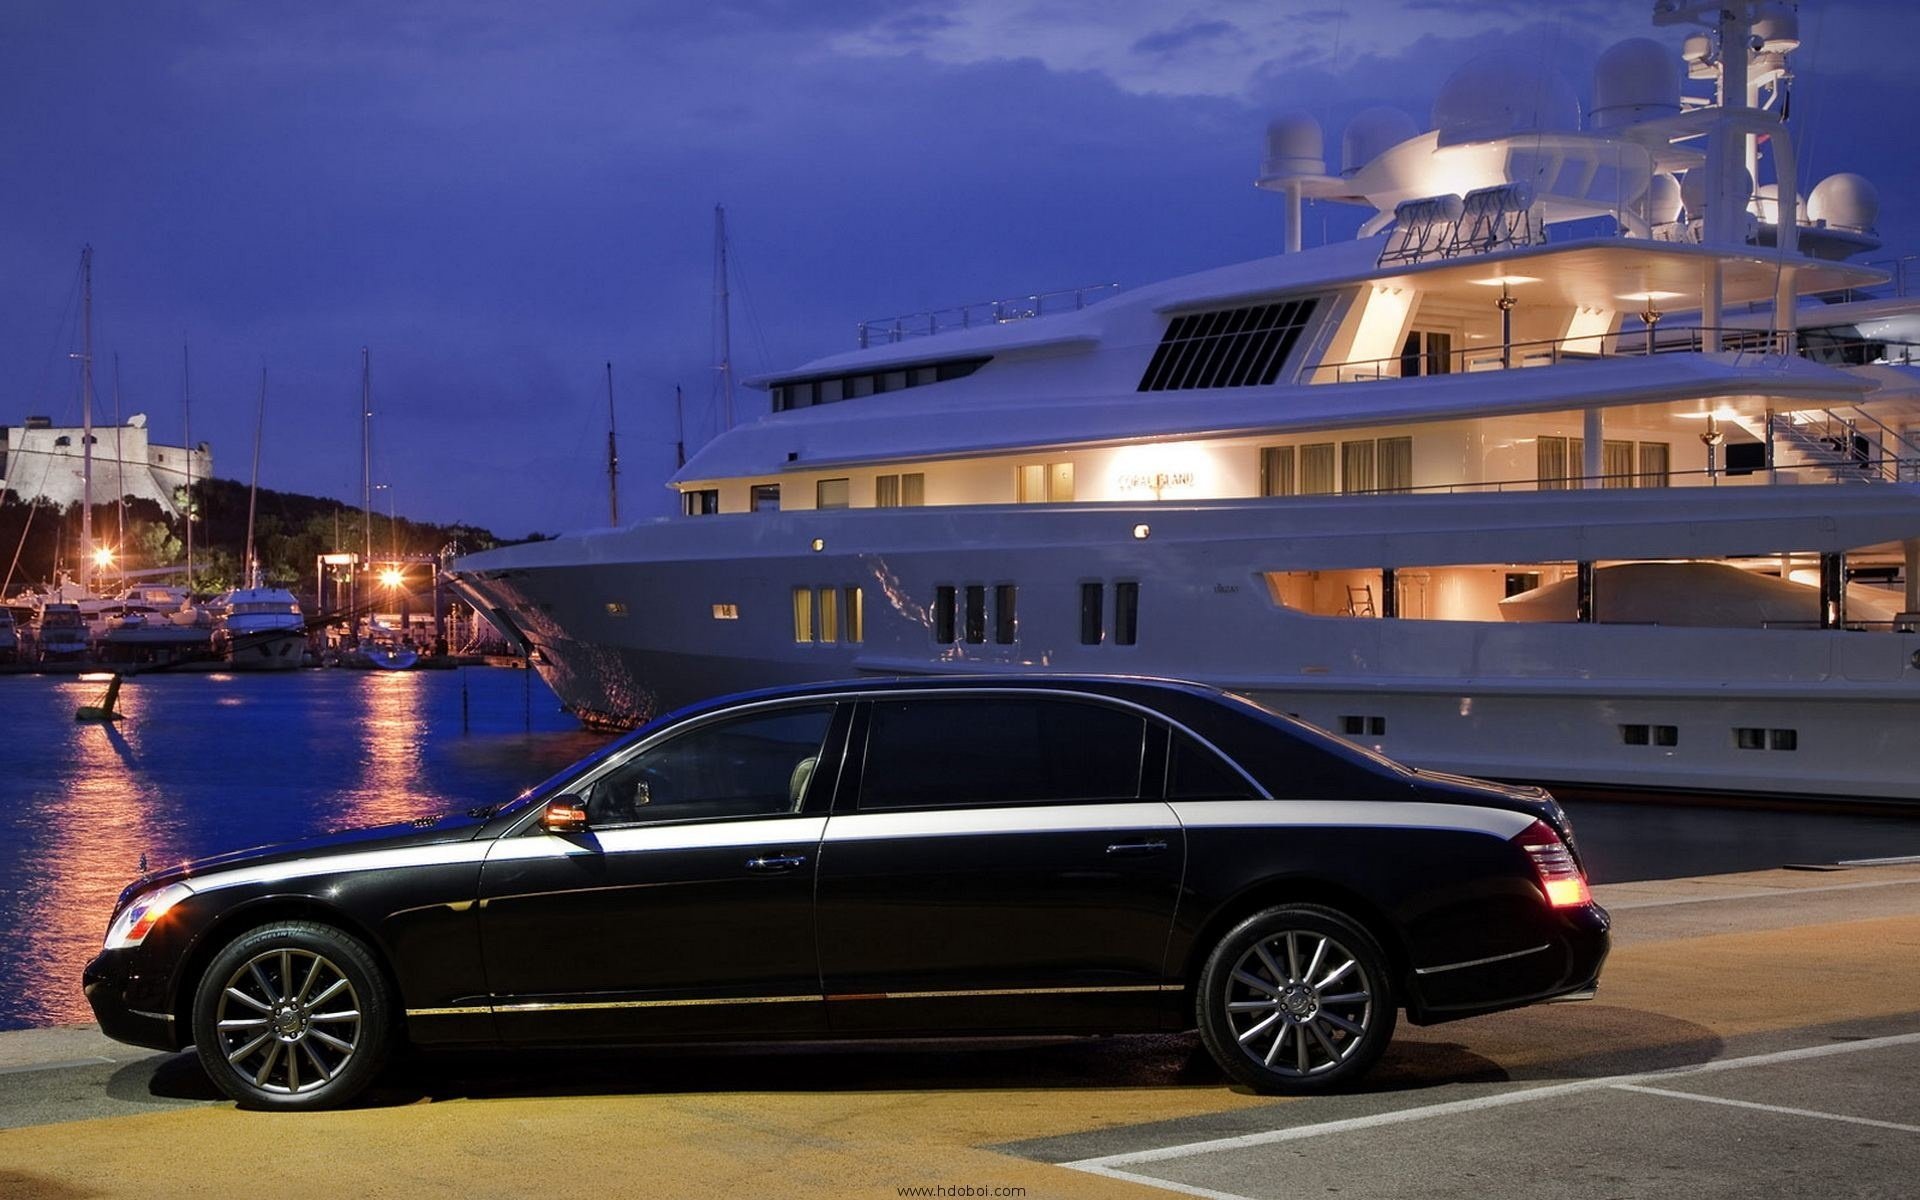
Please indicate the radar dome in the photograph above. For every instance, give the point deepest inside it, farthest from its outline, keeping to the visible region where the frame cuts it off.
(1371, 133)
(1295, 146)
(1635, 80)
(1845, 201)
(1693, 190)
(1497, 95)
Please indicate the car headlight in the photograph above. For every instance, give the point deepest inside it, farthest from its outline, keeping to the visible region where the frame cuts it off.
(137, 920)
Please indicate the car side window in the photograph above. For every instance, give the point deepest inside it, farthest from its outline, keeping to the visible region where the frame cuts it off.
(755, 765)
(1197, 773)
(986, 751)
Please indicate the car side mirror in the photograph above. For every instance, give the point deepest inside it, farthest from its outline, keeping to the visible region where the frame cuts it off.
(565, 815)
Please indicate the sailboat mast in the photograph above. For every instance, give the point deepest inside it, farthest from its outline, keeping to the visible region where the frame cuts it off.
(253, 487)
(119, 475)
(86, 420)
(366, 451)
(723, 303)
(613, 458)
(186, 419)
(679, 429)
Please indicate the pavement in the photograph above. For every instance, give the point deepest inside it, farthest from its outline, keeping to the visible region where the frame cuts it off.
(1755, 1034)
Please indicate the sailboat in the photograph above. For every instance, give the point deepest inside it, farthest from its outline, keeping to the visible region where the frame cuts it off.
(260, 628)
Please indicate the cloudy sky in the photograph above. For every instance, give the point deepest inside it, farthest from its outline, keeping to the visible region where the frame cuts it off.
(498, 197)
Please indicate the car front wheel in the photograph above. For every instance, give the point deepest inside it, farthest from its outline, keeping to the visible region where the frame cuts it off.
(293, 1015)
(1296, 999)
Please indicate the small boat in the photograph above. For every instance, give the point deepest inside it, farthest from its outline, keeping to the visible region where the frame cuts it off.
(62, 632)
(261, 629)
(9, 637)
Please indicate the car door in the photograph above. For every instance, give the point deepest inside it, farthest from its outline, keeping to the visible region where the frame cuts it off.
(998, 867)
(686, 907)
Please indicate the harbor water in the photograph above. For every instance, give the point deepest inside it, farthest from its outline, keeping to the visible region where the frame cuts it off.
(207, 763)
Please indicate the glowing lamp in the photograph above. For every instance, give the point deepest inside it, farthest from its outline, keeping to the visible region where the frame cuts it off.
(391, 577)
(102, 557)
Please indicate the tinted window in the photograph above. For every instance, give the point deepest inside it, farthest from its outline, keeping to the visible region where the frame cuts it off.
(991, 750)
(756, 765)
(1197, 773)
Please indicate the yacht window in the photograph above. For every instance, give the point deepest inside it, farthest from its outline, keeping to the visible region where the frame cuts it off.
(765, 497)
(1521, 581)
(1126, 613)
(831, 390)
(1654, 464)
(832, 493)
(1616, 463)
(1356, 466)
(700, 502)
(803, 614)
(976, 614)
(858, 386)
(828, 602)
(1316, 469)
(893, 381)
(943, 614)
(1395, 464)
(1045, 482)
(1783, 739)
(886, 491)
(959, 368)
(1092, 603)
(920, 376)
(1239, 347)
(856, 614)
(1005, 622)
(1276, 471)
(913, 489)
(1426, 352)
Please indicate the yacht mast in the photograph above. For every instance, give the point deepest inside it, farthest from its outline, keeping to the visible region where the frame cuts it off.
(679, 429)
(723, 314)
(119, 476)
(366, 452)
(86, 420)
(253, 487)
(613, 458)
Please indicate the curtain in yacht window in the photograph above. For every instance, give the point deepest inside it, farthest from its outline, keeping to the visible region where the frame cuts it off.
(1653, 464)
(1276, 471)
(1316, 469)
(913, 489)
(1395, 464)
(886, 491)
(1356, 466)
(1553, 463)
(1616, 464)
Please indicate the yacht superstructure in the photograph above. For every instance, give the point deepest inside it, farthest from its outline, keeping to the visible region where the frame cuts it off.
(1589, 460)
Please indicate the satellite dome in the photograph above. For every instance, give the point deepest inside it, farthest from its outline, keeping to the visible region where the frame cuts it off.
(1635, 80)
(1371, 133)
(1663, 199)
(1693, 190)
(1845, 201)
(1497, 95)
(1295, 146)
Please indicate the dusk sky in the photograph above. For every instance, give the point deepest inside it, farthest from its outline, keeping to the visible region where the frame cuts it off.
(497, 197)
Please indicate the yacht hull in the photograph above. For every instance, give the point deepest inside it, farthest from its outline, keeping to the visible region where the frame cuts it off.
(628, 624)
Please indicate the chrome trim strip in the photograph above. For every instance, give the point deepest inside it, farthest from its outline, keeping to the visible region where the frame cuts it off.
(152, 1016)
(594, 1005)
(1477, 962)
(1389, 814)
(1025, 818)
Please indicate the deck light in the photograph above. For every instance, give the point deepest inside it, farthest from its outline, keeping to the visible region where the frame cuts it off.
(1506, 280)
(819, 544)
(1141, 532)
(391, 577)
(103, 557)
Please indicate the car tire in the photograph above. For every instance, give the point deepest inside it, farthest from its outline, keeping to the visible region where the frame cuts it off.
(1296, 999)
(293, 1015)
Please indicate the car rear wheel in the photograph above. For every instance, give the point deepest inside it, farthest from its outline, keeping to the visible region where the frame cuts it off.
(293, 1015)
(1296, 999)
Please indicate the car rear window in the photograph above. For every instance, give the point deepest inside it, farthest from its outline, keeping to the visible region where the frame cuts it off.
(990, 750)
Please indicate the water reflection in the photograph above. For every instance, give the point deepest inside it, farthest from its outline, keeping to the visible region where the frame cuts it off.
(211, 763)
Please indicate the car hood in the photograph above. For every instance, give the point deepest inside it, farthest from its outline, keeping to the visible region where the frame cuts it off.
(422, 831)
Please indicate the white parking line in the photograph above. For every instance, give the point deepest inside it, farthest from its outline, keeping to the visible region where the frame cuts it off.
(1109, 1165)
(1776, 893)
(1772, 1108)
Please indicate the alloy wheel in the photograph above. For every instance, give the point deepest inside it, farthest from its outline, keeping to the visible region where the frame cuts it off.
(289, 1020)
(1299, 1003)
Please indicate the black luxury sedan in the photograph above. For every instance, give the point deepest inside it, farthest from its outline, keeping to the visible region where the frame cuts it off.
(896, 858)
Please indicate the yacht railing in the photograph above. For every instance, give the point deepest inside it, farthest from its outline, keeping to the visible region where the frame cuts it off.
(1706, 477)
(1906, 277)
(983, 312)
(1549, 352)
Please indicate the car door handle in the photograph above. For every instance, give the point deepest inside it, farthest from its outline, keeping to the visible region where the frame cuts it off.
(1137, 848)
(776, 862)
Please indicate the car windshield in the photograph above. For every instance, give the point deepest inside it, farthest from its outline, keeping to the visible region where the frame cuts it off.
(568, 773)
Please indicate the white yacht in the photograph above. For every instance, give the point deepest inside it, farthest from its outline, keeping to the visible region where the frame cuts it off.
(260, 629)
(1587, 461)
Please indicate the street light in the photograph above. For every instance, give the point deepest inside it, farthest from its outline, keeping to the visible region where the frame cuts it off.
(103, 556)
(391, 577)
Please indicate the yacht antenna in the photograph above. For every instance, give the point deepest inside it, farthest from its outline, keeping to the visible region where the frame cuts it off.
(253, 488)
(186, 420)
(723, 314)
(613, 458)
(86, 420)
(679, 430)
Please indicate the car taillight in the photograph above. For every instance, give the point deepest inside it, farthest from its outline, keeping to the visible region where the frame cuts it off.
(1560, 877)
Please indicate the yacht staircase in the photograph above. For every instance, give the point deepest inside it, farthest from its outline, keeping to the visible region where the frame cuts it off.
(1849, 445)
